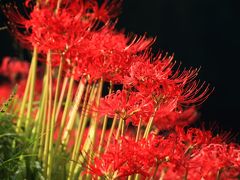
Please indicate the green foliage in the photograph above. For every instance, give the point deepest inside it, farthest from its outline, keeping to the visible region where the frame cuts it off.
(16, 159)
(16, 162)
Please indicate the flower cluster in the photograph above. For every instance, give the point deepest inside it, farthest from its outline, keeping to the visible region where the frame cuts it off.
(191, 154)
(84, 38)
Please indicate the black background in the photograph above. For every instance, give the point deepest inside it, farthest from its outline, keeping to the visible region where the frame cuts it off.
(202, 33)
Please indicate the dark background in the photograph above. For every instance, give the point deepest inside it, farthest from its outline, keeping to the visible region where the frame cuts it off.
(202, 33)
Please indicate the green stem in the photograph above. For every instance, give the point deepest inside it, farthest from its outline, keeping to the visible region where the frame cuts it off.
(148, 128)
(78, 140)
(73, 112)
(52, 123)
(93, 126)
(111, 131)
(150, 123)
(138, 129)
(119, 128)
(66, 109)
(49, 112)
(63, 89)
(81, 157)
(25, 96)
(43, 132)
(104, 125)
(43, 126)
(90, 140)
(31, 90)
(37, 135)
(57, 92)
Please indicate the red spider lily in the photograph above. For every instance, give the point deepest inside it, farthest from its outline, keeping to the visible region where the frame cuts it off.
(12, 68)
(123, 103)
(176, 118)
(87, 47)
(59, 31)
(5, 91)
(158, 78)
(109, 54)
(171, 155)
(216, 160)
(124, 157)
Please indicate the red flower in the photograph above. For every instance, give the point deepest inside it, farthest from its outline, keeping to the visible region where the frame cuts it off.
(176, 118)
(59, 31)
(216, 158)
(14, 69)
(5, 91)
(84, 37)
(123, 158)
(123, 103)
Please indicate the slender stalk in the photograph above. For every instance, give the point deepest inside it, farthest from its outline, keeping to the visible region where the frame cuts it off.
(58, 6)
(81, 157)
(119, 128)
(111, 130)
(104, 125)
(163, 172)
(63, 89)
(26, 92)
(150, 123)
(155, 172)
(31, 90)
(57, 91)
(44, 120)
(24, 100)
(73, 111)
(148, 128)
(52, 123)
(37, 134)
(78, 136)
(102, 134)
(138, 129)
(123, 128)
(90, 140)
(52, 118)
(94, 124)
(49, 113)
(66, 109)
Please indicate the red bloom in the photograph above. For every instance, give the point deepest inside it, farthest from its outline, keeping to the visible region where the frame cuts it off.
(176, 118)
(193, 154)
(5, 91)
(123, 103)
(59, 31)
(81, 32)
(214, 159)
(123, 158)
(14, 69)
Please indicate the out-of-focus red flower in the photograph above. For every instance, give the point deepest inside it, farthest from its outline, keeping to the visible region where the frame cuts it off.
(216, 160)
(14, 69)
(176, 118)
(5, 91)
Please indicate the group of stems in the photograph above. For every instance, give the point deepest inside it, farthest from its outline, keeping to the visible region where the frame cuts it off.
(43, 125)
